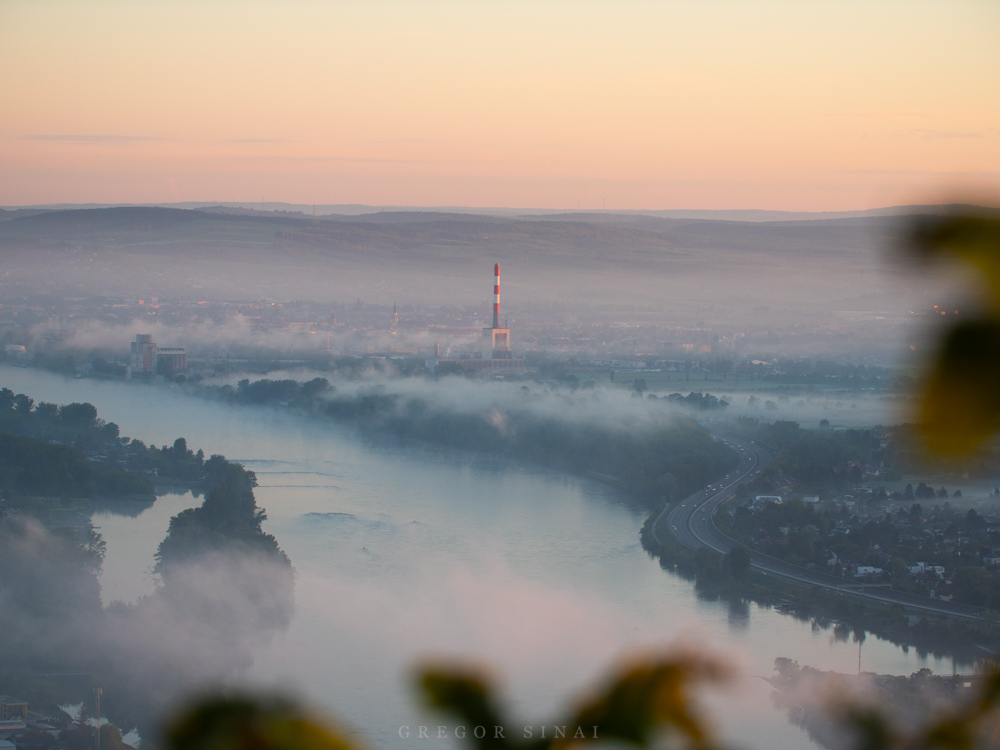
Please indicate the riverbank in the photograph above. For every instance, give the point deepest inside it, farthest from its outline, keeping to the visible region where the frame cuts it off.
(524, 431)
(847, 617)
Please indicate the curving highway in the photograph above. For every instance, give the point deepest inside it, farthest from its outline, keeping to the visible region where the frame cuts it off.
(692, 523)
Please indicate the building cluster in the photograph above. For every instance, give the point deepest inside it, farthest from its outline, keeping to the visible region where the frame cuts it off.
(700, 341)
(902, 545)
(148, 359)
(14, 721)
(20, 727)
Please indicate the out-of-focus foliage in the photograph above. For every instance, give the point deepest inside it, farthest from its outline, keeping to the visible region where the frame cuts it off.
(879, 712)
(960, 408)
(243, 723)
(972, 725)
(645, 703)
(650, 695)
(635, 706)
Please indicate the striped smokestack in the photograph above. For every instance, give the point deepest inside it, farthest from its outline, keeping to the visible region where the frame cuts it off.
(496, 296)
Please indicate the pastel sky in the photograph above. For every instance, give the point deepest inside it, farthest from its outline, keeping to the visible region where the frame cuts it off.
(776, 104)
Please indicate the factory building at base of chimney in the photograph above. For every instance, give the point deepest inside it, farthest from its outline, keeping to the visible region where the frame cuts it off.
(496, 357)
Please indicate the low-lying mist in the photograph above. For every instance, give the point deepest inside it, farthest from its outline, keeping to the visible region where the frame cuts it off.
(798, 288)
(225, 589)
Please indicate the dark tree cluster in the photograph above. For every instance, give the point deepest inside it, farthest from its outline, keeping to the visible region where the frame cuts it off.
(652, 463)
(823, 462)
(267, 391)
(228, 520)
(44, 452)
(700, 401)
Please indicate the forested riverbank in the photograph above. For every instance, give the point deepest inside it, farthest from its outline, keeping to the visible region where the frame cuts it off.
(225, 586)
(651, 453)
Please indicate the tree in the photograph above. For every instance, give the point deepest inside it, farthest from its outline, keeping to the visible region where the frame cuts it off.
(639, 386)
(972, 586)
(78, 416)
(897, 566)
(23, 404)
(738, 563)
(111, 737)
(315, 387)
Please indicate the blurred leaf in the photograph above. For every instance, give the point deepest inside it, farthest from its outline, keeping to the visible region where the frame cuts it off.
(638, 702)
(872, 729)
(972, 238)
(466, 694)
(647, 696)
(990, 697)
(961, 402)
(952, 734)
(249, 724)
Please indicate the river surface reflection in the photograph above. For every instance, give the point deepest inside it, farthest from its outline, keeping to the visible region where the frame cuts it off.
(408, 552)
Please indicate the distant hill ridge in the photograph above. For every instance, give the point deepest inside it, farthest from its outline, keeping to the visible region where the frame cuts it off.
(268, 236)
(423, 213)
(439, 255)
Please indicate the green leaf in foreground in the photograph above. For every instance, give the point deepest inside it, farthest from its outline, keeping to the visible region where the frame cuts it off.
(961, 401)
(250, 724)
(972, 238)
(643, 699)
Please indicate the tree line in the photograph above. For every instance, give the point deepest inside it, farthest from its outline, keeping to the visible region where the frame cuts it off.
(666, 459)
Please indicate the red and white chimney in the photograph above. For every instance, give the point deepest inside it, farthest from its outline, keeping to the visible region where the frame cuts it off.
(496, 295)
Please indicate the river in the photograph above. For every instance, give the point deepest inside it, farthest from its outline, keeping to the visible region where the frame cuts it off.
(408, 552)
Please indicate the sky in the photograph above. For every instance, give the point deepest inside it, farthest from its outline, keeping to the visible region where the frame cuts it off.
(773, 104)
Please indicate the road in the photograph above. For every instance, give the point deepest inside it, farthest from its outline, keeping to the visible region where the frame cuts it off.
(692, 522)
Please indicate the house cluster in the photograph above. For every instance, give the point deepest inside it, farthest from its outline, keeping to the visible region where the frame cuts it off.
(873, 538)
(16, 722)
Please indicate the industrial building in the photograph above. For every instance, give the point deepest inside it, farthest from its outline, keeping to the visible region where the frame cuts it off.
(171, 360)
(148, 359)
(495, 358)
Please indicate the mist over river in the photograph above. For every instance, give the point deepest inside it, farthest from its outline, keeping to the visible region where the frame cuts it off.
(405, 552)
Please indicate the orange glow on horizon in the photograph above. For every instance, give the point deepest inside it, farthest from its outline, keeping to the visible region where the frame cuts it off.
(820, 106)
